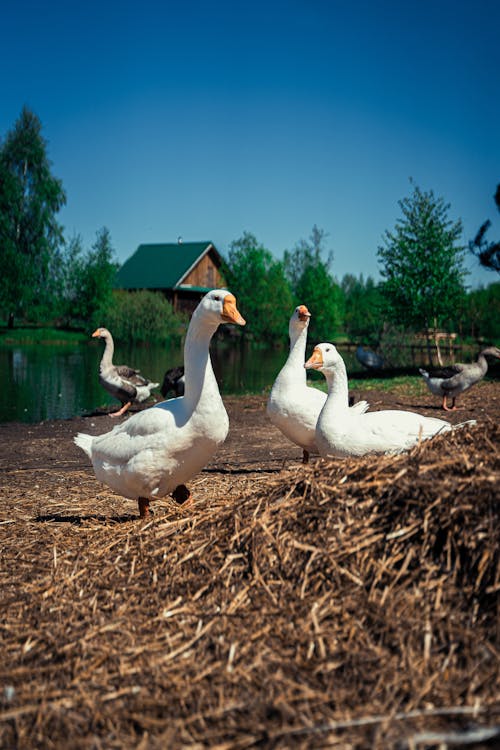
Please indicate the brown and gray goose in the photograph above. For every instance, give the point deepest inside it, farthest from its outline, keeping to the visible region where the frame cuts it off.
(121, 381)
(455, 379)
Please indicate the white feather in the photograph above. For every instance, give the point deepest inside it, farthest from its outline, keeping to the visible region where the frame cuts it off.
(293, 406)
(162, 447)
(342, 432)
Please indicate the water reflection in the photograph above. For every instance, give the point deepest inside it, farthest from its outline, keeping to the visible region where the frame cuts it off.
(48, 381)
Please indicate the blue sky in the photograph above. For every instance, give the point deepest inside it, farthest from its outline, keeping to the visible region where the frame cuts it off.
(207, 119)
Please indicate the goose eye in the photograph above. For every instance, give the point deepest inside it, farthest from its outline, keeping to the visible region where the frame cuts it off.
(217, 298)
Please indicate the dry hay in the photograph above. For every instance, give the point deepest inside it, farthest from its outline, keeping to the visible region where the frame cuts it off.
(345, 604)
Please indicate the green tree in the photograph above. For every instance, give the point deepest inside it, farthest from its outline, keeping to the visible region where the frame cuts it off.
(422, 264)
(313, 285)
(87, 278)
(488, 253)
(258, 281)
(481, 313)
(30, 235)
(71, 308)
(363, 320)
(100, 271)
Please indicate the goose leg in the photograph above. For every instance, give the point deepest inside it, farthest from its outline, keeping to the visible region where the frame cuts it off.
(182, 495)
(449, 408)
(122, 410)
(144, 509)
(305, 456)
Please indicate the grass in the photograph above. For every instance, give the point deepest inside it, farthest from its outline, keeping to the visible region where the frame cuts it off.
(409, 385)
(40, 336)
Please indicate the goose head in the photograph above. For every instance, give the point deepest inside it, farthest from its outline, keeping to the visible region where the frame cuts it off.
(219, 306)
(101, 333)
(299, 320)
(491, 351)
(324, 358)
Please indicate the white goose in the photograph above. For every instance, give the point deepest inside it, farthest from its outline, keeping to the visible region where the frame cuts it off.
(342, 433)
(122, 381)
(157, 450)
(293, 406)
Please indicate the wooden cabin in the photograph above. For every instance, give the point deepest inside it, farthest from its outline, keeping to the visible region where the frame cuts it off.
(182, 271)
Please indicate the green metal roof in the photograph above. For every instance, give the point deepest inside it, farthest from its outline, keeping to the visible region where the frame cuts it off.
(160, 266)
(191, 288)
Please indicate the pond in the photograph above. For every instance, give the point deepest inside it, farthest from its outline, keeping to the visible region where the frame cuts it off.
(58, 381)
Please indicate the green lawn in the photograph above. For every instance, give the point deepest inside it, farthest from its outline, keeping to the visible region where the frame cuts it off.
(40, 336)
(409, 385)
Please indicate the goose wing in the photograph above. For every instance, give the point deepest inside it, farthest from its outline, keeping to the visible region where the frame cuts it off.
(147, 431)
(117, 384)
(398, 430)
(466, 376)
(131, 378)
(124, 371)
(444, 373)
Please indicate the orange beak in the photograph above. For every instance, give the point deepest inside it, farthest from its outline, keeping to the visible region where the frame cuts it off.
(304, 313)
(97, 332)
(230, 313)
(315, 361)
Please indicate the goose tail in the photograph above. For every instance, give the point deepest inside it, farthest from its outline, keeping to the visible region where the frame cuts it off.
(468, 422)
(360, 407)
(84, 442)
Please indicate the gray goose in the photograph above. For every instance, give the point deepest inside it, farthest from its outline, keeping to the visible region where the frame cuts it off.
(121, 381)
(455, 379)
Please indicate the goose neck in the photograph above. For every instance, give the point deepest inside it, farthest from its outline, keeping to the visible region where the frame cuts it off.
(298, 341)
(294, 365)
(198, 372)
(483, 363)
(107, 355)
(338, 388)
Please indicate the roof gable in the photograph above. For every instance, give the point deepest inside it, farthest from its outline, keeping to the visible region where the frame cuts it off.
(161, 265)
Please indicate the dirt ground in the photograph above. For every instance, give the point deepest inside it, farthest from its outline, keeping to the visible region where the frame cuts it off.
(351, 604)
(38, 456)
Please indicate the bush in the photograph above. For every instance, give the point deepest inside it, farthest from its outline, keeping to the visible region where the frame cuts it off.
(141, 316)
(480, 316)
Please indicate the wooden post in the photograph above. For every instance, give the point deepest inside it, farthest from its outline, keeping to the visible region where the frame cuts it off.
(438, 350)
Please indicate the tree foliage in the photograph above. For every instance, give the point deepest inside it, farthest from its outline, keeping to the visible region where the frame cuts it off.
(313, 285)
(141, 316)
(363, 319)
(259, 283)
(30, 235)
(422, 263)
(480, 316)
(87, 278)
(488, 253)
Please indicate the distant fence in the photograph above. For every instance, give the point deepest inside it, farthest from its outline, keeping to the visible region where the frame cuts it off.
(411, 354)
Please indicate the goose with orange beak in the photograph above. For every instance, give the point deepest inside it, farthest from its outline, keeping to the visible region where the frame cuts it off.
(293, 406)
(453, 380)
(156, 451)
(342, 433)
(122, 381)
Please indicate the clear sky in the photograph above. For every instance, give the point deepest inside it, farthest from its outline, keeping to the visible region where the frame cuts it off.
(207, 119)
